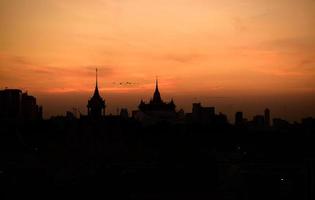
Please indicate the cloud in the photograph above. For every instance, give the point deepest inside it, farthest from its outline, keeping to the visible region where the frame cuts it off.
(86, 70)
(300, 45)
(305, 44)
(279, 72)
(184, 58)
(20, 60)
(19, 71)
(307, 64)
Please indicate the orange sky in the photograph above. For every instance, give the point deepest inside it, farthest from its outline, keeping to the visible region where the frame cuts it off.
(200, 49)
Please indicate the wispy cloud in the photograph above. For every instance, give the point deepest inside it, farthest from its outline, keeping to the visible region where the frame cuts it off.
(18, 71)
(184, 57)
(280, 72)
(307, 64)
(305, 44)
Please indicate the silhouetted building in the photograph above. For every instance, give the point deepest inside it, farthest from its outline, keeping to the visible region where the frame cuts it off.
(280, 124)
(267, 117)
(205, 116)
(258, 121)
(30, 109)
(134, 113)
(181, 115)
(239, 120)
(96, 105)
(202, 114)
(221, 119)
(124, 113)
(156, 109)
(70, 115)
(10, 103)
(17, 105)
(308, 125)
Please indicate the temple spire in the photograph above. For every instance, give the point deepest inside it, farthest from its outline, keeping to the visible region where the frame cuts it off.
(96, 92)
(156, 83)
(96, 104)
(96, 79)
(156, 95)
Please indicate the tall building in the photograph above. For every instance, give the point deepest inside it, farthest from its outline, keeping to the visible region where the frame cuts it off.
(124, 113)
(156, 109)
(17, 105)
(239, 120)
(259, 120)
(30, 109)
(267, 117)
(202, 114)
(96, 104)
(10, 104)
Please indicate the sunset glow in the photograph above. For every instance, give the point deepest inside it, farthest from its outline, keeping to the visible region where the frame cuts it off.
(251, 52)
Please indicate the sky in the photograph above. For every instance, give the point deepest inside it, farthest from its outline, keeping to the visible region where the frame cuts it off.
(232, 54)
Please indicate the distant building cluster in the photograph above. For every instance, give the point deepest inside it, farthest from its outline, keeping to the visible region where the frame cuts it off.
(258, 121)
(14, 104)
(17, 105)
(201, 114)
(157, 110)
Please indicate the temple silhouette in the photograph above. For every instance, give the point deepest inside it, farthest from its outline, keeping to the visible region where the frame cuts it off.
(96, 105)
(156, 110)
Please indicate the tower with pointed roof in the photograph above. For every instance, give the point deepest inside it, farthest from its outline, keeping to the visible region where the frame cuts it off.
(96, 104)
(157, 109)
(156, 96)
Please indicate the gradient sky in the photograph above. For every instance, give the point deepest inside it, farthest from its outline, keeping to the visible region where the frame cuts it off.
(232, 54)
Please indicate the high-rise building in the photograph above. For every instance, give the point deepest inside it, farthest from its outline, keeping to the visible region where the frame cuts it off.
(202, 114)
(10, 104)
(239, 120)
(258, 121)
(96, 104)
(30, 109)
(267, 117)
(17, 105)
(124, 113)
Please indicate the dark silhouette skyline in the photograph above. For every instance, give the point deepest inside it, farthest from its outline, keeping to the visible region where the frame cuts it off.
(96, 106)
(231, 117)
(155, 152)
(18, 104)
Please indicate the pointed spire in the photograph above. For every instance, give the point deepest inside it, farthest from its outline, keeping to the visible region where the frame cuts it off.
(156, 83)
(156, 95)
(96, 92)
(96, 79)
(96, 105)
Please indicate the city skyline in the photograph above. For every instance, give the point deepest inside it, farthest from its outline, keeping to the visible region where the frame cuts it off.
(234, 55)
(157, 99)
(77, 104)
(231, 116)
